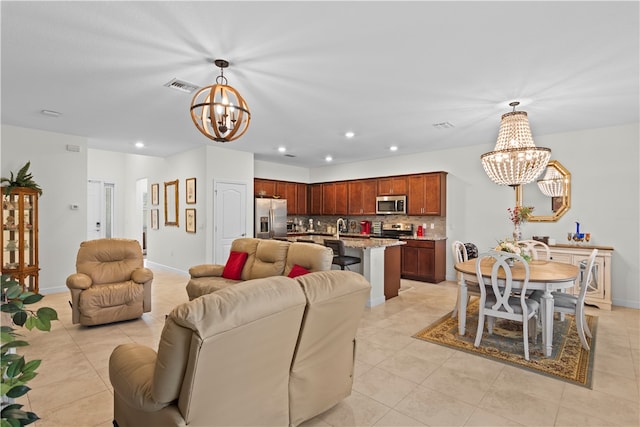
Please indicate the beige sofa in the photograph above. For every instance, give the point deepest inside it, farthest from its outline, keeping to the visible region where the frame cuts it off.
(266, 258)
(110, 283)
(267, 352)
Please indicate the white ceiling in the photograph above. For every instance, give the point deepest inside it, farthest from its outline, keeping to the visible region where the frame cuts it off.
(310, 71)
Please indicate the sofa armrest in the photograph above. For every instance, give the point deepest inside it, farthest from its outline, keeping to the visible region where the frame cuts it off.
(206, 270)
(131, 369)
(79, 281)
(141, 275)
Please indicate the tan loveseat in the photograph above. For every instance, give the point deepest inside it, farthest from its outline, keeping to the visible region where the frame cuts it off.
(267, 352)
(266, 258)
(110, 283)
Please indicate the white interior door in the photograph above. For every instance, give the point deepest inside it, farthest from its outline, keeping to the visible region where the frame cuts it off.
(100, 197)
(230, 221)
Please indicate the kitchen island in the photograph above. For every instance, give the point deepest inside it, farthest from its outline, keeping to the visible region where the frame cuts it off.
(380, 263)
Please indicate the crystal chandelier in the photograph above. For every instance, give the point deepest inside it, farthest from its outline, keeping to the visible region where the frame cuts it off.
(552, 184)
(218, 111)
(515, 159)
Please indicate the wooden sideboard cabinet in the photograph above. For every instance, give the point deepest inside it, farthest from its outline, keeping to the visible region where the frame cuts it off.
(424, 260)
(599, 294)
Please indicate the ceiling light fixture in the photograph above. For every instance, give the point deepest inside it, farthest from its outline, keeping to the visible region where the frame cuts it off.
(139, 144)
(393, 148)
(552, 184)
(218, 111)
(515, 159)
(349, 134)
(328, 158)
(282, 149)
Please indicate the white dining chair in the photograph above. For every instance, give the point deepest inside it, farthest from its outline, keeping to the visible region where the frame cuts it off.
(574, 304)
(460, 254)
(536, 249)
(498, 301)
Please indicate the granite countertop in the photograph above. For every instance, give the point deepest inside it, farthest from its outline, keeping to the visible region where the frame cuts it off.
(423, 238)
(351, 242)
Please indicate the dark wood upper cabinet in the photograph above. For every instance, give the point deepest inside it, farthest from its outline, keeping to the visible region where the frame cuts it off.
(301, 196)
(362, 197)
(315, 199)
(264, 187)
(341, 198)
(427, 194)
(394, 185)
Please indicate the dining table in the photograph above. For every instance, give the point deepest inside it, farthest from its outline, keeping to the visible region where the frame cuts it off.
(547, 276)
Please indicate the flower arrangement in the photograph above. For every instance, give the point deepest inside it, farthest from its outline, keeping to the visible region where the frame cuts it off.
(511, 246)
(520, 214)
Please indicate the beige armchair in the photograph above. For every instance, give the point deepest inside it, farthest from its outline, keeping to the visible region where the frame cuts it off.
(110, 283)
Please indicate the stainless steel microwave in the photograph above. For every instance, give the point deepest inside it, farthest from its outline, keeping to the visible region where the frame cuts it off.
(389, 205)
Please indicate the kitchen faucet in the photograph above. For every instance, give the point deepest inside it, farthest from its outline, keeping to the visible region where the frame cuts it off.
(338, 227)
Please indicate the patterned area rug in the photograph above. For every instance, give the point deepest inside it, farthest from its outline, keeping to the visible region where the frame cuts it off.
(568, 362)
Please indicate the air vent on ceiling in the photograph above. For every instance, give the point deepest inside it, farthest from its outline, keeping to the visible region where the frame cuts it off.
(443, 125)
(182, 86)
(289, 155)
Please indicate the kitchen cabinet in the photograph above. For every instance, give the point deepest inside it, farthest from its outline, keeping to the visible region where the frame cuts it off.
(315, 199)
(424, 260)
(19, 254)
(392, 263)
(264, 187)
(302, 200)
(334, 198)
(393, 185)
(362, 197)
(288, 191)
(599, 293)
(427, 194)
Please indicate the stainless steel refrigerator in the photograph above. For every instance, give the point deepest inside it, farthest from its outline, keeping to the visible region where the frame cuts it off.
(271, 218)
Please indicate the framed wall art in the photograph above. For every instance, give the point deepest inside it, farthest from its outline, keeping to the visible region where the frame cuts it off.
(190, 218)
(191, 191)
(171, 203)
(155, 188)
(154, 219)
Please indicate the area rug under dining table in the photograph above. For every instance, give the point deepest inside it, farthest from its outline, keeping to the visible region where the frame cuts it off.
(568, 361)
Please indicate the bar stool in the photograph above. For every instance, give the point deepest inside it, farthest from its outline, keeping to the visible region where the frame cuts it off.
(339, 257)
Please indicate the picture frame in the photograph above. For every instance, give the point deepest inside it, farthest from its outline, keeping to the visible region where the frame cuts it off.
(171, 202)
(190, 220)
(155, 223)
(155, 191)
(191, 191)
(556, 203)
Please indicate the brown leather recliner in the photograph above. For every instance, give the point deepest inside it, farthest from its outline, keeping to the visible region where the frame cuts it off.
(266, 352)
(110, 283)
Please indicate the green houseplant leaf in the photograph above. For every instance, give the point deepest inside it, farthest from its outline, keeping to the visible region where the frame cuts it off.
(16, 370)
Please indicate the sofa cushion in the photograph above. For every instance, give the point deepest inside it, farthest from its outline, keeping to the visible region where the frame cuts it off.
(268, 260)
(297, 271)
(235, 263)
(311, 256)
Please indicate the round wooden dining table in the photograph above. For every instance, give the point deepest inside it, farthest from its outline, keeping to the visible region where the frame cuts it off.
(547, 276)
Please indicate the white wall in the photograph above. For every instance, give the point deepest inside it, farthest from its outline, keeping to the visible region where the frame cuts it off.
(280, 172)
(62, 175)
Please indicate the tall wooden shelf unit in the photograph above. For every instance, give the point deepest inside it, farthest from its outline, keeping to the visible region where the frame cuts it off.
(20, 236)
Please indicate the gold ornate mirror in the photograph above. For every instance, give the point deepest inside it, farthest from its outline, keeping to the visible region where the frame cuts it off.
(550, 195)
(171, 203)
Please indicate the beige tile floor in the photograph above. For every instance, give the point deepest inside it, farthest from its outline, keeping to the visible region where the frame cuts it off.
(400, 381)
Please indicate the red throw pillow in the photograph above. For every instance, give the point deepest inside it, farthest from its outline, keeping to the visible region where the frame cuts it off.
(235, 263)
(298, 271)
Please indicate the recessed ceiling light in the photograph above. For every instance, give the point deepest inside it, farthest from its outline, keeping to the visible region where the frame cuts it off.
(139, 144)
(349, 134)
(393, 148)
(328, 158)
(50, 113)
(282, 149)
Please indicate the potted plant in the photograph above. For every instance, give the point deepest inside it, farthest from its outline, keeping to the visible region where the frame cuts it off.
(22, 179)
(15, 370)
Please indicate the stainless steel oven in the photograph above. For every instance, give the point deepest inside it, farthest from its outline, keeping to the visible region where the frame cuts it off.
(390, 205)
